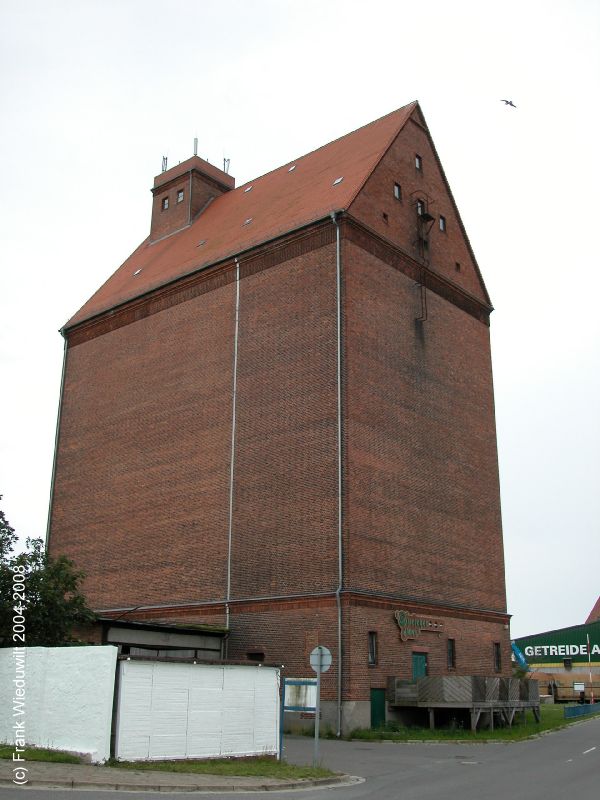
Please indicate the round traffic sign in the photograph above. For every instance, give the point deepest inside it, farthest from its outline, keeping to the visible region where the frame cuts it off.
(323, 654)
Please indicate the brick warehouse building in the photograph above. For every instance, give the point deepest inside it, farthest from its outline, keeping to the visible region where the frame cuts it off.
(277, 416)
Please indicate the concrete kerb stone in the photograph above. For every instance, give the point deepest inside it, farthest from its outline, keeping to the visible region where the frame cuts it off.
(76, 776)
(324, 783)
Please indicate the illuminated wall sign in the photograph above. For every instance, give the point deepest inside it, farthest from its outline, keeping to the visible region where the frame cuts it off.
(411, 627)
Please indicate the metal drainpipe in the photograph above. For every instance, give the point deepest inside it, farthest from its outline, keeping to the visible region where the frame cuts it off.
(232, 458)
(56, 435)
(338, 599)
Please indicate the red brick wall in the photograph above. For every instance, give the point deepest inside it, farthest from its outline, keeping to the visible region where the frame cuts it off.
(165, 221)
(142, 478)
(284, 537)
(141, 499)
(286, 632)
(198, 191)
(287, 635)
(422, 492)
(474, 648)
(377, 198)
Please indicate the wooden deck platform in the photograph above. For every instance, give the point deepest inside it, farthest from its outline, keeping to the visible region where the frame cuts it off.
(473, 693)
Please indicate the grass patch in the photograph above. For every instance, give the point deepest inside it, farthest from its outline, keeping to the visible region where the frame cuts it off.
(552, 718)
(262, 767)
(40, 754)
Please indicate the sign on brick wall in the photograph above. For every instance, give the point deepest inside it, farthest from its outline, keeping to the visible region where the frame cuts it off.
(411, 626)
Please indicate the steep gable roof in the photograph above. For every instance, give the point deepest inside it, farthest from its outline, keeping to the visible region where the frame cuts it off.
(283, 200)
(594, 615)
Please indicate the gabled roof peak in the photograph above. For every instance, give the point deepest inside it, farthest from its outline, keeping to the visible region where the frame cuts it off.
(291, 196)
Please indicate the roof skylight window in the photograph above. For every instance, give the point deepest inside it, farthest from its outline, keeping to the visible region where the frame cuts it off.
(137, 272)
(248, 221)
(201, 243)
(292, 168)
(338, 180)
(247, 189)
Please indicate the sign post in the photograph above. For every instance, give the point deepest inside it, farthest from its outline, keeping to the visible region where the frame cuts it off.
(589, 649)
(296, 704)
(320, 661)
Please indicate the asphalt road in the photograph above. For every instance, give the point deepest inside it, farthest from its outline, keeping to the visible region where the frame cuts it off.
(565, 764)
(561, 765)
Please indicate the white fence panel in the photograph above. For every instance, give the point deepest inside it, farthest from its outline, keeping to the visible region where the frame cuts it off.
(68, 697)
(175, 710)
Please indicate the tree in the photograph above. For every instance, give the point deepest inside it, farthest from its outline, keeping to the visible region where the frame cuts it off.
(51, 601)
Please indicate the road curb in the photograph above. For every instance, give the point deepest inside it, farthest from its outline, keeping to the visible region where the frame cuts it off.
(217, 787)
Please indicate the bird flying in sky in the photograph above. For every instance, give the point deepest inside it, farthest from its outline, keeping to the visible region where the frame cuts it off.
(508, 103)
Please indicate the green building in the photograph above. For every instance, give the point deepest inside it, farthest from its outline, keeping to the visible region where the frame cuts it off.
(566, 648)
(566, 660)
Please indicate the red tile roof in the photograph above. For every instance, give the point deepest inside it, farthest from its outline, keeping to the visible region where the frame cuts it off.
(594, 613)
(280, 201)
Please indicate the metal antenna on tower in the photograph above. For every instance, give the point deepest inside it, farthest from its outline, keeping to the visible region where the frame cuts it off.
(226, 165)
(195, 146)
(164, 164)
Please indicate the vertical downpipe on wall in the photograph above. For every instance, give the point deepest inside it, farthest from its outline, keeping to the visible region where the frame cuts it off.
(338, 599)
(56, 437)
(232, 455)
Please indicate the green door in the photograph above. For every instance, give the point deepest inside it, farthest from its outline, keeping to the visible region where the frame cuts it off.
(377, 708)
(419, 665)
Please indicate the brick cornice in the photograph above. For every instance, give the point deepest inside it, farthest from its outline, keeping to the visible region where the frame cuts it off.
(206, 279)
(366, 238)
(296, 243)
(349, 598)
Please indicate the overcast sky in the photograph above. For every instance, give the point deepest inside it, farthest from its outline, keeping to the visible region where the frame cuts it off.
(94, 92)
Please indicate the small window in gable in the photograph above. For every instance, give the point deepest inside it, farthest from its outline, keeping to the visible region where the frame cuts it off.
(165, 203)
(180, 195)
(398, 192)
(418, 162)
(442, 223)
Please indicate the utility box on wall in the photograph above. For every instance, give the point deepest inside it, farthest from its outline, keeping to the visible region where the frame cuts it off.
(183, 710)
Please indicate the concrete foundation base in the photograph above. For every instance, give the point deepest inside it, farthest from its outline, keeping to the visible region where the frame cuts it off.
(355, 714)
